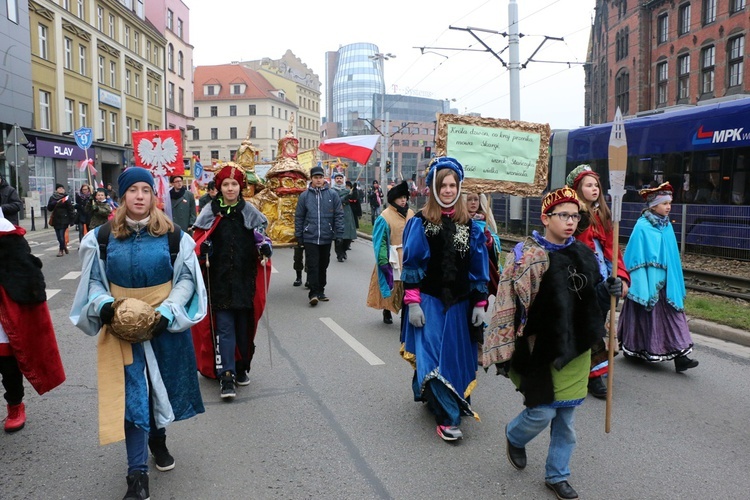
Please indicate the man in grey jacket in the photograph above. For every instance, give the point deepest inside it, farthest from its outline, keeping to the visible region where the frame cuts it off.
(10, 201)
(183, 204)
(318, 220)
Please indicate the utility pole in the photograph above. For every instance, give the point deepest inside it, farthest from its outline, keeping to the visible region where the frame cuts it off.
(379, 56)
(514, 69)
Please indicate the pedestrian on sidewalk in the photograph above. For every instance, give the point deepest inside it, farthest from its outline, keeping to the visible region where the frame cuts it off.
(375, 199)
(140, 281)
(83, 200)
(350, 226)
(445, 279)
(230, 238)
(60, 206)
(99, 210)
(544, 321)
(386, 290)
(355, 202)
(596, 231)
(183, 204)
(318, 221)
(10, 202)
(28, 347)
(652, 324)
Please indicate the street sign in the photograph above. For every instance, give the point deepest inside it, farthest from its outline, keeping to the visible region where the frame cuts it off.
(84, 137)
(16, 136)
(16, 155)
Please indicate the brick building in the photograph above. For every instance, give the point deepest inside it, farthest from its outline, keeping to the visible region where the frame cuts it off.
(661, 53)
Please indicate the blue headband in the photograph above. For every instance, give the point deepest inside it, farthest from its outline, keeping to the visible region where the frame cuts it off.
(445, 162)
(131, 175)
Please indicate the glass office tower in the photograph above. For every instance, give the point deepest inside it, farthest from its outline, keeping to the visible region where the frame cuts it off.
(357, 79)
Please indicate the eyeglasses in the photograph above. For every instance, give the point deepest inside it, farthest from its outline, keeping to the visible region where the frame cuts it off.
(565, 216)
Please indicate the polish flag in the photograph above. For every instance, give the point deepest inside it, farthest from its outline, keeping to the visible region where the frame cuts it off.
(357, 147)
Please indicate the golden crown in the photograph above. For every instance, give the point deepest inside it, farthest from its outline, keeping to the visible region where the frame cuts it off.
(562, 195)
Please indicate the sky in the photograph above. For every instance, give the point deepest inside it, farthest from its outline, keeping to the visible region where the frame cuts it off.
(222, 31)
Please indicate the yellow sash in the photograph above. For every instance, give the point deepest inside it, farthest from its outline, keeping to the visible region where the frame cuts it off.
(113, 355)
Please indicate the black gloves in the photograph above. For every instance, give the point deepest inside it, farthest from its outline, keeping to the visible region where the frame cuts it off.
(614, 286)
(107, 313)
(160, 327)
(206, 248)
(265, 250)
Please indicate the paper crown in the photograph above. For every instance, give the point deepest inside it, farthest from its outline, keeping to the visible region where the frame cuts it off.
(230, 170)
(661, 192)
(558, 196)
(578, 173)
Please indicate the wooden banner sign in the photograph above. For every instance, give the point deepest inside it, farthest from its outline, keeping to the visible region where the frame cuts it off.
(498, 156)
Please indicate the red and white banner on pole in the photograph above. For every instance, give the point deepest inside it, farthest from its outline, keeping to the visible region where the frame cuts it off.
(357, 147)
(159, 151)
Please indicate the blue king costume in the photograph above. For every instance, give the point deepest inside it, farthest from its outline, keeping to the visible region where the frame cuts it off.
(445, 270)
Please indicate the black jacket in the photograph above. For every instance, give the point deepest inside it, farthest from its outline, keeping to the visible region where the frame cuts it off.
(10, 201)
(64, 213)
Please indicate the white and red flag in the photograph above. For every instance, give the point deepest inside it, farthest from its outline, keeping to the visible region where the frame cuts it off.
(159, 151)
(357, 147)
(88, 162)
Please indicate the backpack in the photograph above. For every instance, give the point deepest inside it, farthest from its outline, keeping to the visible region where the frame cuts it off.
(105, 230)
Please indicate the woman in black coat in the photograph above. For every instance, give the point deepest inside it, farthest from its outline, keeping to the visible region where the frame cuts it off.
(83, 216)
(63, 215)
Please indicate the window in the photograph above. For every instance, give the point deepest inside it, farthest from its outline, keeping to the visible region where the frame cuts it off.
(43, 48)
(66, 4)
(127, 81)
(709, 11)
(683, 77)
(170, 19)
(236, 89)
(137, 124)
(214, 134)
(683, 19)
(156, 94)
(209, 90)
(137, 43)
(148, 91)
(148, 49)
(82, 58)
(80, 10)
(214, 154)
(735, 55)
(113, 74)
(111, 26)
(103, 124)
(272, 133)
(252, 132)
(662, 28)
(252, 109)
(661, 83)
(139, 8)
(195, 112)
(127, 36)
(83, 112)
(113, 127)
(156, 54)
(170, 96)
(736, 6)
(179, 28)
(170, 57)
(12, 10)
(181, 101)
(68, 51)
(128, 128)
(708, 61)
(196, 134)
(232, 111)
(180, 64)
(622, 91)
(232, 132)
(101, 69)
(69, 120)
(44, 111)
(137, 85)
(214, 111)
(100, 19)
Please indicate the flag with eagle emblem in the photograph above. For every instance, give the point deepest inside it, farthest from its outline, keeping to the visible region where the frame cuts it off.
(159, 151)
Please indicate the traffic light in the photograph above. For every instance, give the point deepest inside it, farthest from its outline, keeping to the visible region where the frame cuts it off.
(388, 166)
(428, 152)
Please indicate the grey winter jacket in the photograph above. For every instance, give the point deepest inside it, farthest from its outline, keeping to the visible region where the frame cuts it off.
(319, 218)
(10, 201)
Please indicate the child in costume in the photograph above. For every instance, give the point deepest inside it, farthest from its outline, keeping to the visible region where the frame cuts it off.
(350, 226)
(230, 237)
(28, 347)
(149, 380)
(544, 321)
(652, 323)
(386, 288)
(479, 211)
(445, 278)
(99, 209)
(595, 230)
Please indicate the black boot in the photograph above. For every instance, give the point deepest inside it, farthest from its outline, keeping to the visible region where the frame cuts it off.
(163, 459)
(137, 486)
(597, 387)
(682, 363)
(298, 281)
(387, 317)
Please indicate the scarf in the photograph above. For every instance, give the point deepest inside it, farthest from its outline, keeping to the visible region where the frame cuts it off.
(549, 246)
(402, 210)
(176, 194)
(656, 220)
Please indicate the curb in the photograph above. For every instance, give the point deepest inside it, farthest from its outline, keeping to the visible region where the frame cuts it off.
(722, 332)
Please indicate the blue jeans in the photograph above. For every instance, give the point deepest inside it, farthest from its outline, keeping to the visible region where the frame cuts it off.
(231, 328)
(531, 421)
(136, 443)
(60, 233)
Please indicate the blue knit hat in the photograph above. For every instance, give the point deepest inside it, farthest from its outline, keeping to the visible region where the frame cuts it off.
(445, 162)
(131, 175)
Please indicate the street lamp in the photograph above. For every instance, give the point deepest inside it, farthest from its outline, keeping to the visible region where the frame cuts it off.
(380, 58)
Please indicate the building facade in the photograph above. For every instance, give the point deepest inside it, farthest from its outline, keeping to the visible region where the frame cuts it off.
(96, 64)
(301, 86)
(657, 54)
(231, 102)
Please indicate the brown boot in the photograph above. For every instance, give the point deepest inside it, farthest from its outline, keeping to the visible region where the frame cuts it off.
(66, 251)
(60, 253)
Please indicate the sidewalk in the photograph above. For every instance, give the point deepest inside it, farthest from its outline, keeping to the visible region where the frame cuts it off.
(697, 326)
(39, 224)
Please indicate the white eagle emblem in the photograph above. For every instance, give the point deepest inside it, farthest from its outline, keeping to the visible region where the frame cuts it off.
(157, 155)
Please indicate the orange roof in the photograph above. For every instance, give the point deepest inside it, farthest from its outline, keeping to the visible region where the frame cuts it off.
(226, 75)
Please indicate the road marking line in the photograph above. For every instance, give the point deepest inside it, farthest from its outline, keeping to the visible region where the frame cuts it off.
(352, 342)
(39, 255)
(274, 270)
(72, 275)
(52, 292)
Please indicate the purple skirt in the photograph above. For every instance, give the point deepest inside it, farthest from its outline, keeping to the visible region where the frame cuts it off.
(660, 334)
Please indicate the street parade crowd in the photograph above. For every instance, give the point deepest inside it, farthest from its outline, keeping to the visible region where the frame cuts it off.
(171, 297)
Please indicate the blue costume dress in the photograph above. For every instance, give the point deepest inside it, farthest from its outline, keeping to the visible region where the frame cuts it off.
(448, 264)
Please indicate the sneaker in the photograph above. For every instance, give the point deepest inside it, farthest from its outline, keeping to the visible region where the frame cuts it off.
(242, 378)
(563, 490)
(16, 418)
(297, 282)
(227, 386)
(137, 486)
(322, 297)
(163, 459)
(449, 432)
(314, 300)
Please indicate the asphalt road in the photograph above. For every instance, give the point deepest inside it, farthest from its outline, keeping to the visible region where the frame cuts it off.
(333, 417)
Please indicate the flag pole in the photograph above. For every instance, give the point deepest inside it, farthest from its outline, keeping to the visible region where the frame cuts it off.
(618, 160)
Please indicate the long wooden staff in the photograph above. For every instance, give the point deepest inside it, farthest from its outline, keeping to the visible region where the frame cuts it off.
(618, 160)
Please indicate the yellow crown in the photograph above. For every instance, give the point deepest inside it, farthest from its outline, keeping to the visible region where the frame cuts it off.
(562, 195)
